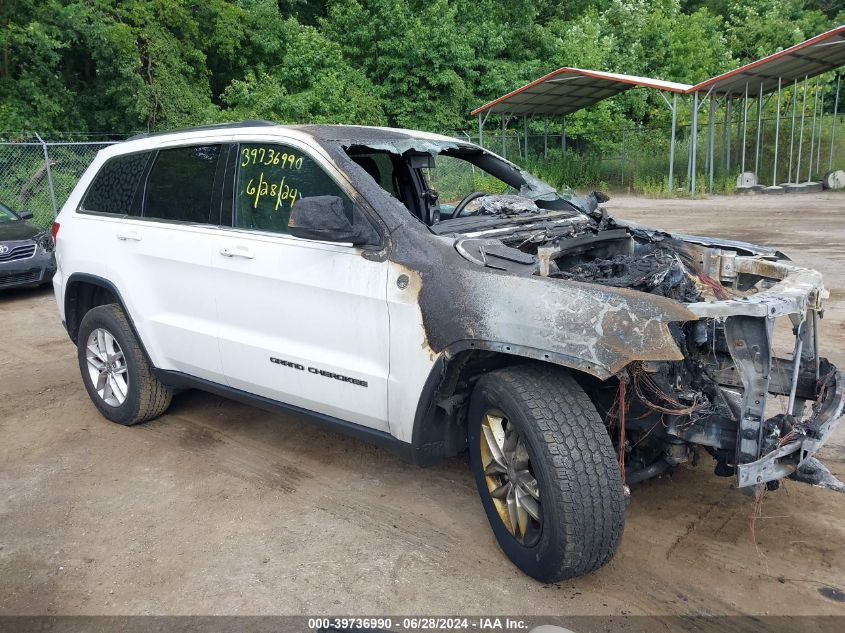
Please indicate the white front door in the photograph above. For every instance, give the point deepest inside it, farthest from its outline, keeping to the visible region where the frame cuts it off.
(301, 322)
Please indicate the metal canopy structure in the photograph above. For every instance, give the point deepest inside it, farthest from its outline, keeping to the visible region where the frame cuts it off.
(811, 57)
(567, 90)
(788, 68)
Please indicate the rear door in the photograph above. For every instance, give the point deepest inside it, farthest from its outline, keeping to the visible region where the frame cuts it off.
(159, 253)
(302, 322)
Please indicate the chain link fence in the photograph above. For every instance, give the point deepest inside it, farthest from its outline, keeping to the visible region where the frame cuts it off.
(636, 158)
(570, 161)
(38, 176)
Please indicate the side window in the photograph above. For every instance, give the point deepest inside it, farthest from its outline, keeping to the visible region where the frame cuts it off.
(380, 168)
(116, 187)
(271, 178)
(181, 182)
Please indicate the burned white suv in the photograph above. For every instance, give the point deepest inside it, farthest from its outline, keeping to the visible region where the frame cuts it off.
(430, 296)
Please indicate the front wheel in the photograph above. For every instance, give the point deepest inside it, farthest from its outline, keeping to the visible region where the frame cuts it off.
(546, 472)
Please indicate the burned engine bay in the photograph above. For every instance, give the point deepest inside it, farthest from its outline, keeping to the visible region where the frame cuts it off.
(752, 389)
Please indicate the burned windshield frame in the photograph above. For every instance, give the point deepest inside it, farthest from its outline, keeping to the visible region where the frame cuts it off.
(419, 203)
(520, 182)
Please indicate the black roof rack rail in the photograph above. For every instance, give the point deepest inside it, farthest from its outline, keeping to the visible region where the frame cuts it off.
(215, 126)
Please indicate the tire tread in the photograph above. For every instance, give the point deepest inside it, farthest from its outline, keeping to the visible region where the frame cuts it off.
(586, 482)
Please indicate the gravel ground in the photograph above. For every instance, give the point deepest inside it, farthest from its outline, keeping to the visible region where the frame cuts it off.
(219, 508)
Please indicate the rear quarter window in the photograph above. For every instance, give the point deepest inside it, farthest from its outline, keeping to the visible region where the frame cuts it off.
(116, 189)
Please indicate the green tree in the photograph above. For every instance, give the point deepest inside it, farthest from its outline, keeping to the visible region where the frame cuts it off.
(413, 53)
(33, 93)
(758, 28)
(308, 81)
(125, 65)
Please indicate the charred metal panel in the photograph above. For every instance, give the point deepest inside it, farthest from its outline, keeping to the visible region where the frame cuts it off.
(749, 342)
(796, 290)
(596, 329)
(780, 381)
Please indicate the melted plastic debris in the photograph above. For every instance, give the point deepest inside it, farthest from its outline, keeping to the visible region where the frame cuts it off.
(652, 268)
(507, 204)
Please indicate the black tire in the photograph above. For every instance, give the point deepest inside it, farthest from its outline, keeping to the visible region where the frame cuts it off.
(146, 397)
(573, 461)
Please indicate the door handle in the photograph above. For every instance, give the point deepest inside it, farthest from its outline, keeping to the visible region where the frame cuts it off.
(237, 251)
(132, 236)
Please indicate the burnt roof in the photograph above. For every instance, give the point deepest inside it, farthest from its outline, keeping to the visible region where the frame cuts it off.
(346, 133)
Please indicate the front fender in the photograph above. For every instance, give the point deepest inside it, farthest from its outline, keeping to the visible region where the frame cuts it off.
(595, 329)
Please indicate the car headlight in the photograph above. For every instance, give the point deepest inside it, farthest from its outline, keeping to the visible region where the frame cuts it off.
(45, 241)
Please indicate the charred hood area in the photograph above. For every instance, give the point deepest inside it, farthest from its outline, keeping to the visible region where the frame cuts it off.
(729, 393)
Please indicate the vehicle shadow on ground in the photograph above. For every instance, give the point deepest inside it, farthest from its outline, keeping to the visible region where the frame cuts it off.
(25, 293)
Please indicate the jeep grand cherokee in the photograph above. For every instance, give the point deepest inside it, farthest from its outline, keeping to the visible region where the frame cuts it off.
(428, 295)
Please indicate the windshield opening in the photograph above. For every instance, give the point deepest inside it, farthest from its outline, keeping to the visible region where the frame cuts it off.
(457, 182)
(454, 178)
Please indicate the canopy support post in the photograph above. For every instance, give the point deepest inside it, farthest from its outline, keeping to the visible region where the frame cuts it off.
(833, 127)
(801, 133)
(792, 128)
(525, 128)
(672, 143)
(758, 142)
(693, 143)
(813, 130)
(711, 115)
(726, 131)
(689, 155)
(777, 138)
(545, 138)
(504, 144)
(480, 131)
(821, 123)
(563, 138)
(744, 126)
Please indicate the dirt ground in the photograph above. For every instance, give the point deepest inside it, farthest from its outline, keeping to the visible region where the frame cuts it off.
(219, 508)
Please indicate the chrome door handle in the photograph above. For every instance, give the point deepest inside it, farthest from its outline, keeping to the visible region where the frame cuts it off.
(237, 251)
(132, 236)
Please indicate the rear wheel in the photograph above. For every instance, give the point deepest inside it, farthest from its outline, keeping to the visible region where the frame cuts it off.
(117, 375)
(546, 472)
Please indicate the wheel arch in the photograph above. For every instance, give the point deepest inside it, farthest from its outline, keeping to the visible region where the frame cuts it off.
(84, 292)
(440, 422)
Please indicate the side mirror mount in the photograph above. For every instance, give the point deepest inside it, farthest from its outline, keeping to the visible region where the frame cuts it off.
(25, 215)
(324, 218)
(590, 203)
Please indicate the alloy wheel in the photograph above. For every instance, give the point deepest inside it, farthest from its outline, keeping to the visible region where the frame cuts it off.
(510, 477)
(107, 367)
